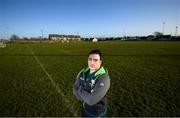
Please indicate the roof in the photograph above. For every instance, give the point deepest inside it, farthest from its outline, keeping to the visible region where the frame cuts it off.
(59, 35)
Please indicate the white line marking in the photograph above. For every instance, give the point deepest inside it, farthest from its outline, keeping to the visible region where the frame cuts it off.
(67, 102)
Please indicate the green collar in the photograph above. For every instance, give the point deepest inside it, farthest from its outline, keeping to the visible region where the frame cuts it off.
(100, 71)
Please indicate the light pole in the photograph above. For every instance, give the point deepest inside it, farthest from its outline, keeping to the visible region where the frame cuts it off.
(163, 27)
(163, 30)
(42, 33)
(176, 32)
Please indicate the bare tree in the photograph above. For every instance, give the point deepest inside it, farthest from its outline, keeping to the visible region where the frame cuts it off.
(14, 37)
(158, 35)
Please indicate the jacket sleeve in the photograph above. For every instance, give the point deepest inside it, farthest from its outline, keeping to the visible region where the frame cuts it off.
(75, 89)
(99, 91)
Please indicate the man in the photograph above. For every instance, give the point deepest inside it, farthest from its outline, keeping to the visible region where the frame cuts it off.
(91, 86)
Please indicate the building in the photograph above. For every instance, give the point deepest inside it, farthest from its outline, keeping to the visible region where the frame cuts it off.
(2, 45)
(94, 40)
(64, 38)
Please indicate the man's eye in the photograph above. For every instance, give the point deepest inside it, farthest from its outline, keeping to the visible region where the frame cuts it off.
(95, 60)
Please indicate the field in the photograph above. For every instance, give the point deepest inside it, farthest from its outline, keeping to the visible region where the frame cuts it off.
(36, 79)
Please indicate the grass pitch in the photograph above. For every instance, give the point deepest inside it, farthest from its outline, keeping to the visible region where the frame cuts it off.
(145, 78)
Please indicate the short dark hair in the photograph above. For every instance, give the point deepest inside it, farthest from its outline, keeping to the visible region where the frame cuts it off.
(96, 51)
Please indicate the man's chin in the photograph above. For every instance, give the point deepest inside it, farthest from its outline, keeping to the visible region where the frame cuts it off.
(91, 68)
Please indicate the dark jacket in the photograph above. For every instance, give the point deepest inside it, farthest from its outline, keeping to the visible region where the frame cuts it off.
(92, 90)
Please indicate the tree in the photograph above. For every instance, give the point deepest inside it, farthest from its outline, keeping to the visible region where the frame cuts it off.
(158, 35)
(25, 38)
(14, 37)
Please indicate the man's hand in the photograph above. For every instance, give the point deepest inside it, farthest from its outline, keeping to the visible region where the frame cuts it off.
(80, 89)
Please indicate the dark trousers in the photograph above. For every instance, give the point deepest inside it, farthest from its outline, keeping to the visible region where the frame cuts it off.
(84, 113)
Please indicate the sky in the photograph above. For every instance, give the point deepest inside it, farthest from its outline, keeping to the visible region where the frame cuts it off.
(88, 18)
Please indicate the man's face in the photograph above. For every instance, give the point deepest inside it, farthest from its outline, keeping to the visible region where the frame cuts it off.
(94, 62)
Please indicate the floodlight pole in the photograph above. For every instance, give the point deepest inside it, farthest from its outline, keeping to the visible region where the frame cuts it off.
(42, 33)
(163, 29)
(176, 32)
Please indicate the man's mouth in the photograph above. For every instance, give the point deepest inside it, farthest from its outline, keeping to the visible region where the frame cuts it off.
(92, 66)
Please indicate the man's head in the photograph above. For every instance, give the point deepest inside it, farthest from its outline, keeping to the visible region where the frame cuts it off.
(94, 60)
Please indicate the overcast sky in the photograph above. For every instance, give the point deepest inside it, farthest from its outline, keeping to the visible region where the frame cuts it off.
(88, 18)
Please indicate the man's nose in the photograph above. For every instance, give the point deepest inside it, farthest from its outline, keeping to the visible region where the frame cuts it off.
(92, 62)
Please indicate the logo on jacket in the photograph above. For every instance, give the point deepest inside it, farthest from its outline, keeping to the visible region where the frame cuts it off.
(92, 83)
(102, 84)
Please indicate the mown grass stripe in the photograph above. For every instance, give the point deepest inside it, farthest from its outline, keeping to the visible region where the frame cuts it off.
(67, 102)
